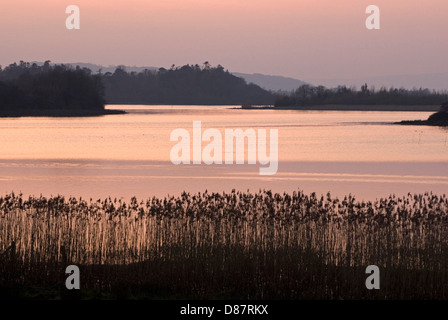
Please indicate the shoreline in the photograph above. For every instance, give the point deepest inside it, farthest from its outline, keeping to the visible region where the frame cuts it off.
(63, 114)
(396, 108)
(420, 123)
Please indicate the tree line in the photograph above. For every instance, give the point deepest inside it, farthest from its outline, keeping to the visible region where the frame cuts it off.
(308, 95)
(30, 89)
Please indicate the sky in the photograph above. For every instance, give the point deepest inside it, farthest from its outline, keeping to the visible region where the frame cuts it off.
(304, 39)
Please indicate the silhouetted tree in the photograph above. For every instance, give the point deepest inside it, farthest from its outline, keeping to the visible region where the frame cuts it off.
(27, 89)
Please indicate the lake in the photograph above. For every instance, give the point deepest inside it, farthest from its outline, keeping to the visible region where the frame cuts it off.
(341, 152)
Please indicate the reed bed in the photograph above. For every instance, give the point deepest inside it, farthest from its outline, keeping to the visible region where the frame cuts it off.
(232, 245)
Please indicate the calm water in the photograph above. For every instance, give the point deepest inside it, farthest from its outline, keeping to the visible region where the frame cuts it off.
(343, 152)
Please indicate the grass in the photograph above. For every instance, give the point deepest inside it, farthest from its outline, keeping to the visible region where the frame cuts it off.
(237, 245)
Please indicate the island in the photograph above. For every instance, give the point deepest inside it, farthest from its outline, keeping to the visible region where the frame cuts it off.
(439, 118)
(50, 91)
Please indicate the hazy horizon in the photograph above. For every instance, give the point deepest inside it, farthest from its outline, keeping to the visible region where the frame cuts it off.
(435, 81)
(297, 39)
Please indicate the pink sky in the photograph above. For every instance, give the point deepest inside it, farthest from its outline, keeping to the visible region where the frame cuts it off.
(298, 38)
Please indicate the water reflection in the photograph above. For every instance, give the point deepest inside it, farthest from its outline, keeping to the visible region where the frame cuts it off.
(124, 155)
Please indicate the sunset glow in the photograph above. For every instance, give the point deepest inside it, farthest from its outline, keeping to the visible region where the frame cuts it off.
(302, 39)
(242, 153)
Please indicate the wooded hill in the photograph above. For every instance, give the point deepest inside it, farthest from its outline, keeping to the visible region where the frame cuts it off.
(188, 84)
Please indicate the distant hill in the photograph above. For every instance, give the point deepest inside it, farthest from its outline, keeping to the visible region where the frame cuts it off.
(274, 83)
